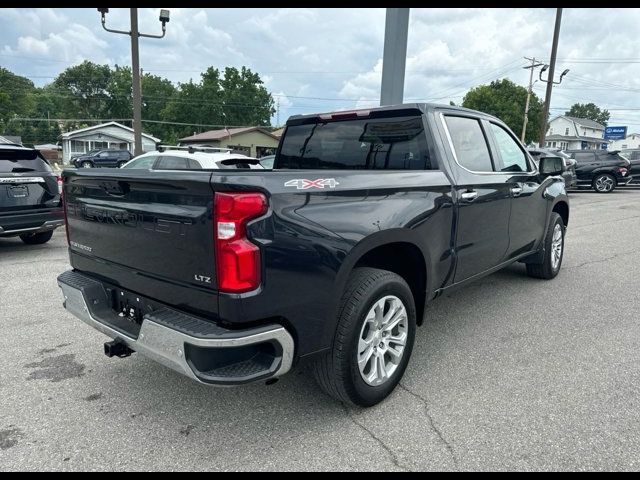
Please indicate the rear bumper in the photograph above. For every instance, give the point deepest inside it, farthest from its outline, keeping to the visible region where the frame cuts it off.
(31, 222)
(197, 348)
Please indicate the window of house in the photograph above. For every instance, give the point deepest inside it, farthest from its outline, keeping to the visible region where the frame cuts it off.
(551, 131)
(566, 131)
(78, 146)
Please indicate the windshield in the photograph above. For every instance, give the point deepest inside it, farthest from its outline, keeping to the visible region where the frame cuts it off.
(19, 161)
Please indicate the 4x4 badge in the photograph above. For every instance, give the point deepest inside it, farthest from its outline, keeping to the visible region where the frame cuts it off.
(304, 184)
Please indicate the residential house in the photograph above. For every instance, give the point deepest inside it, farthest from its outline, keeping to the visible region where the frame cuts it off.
(252, 141)
(630, 141)
(571, 133)
(110, 135)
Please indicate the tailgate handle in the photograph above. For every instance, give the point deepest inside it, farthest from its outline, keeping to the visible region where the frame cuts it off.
(115, 189)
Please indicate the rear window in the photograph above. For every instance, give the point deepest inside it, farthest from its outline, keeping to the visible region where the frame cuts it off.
(17, 161)
(363, 144)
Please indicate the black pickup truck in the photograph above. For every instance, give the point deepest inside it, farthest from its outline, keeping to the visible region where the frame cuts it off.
(235, 276)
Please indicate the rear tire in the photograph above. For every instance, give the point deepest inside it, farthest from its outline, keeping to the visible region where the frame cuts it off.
(36, 238)
(373, 340)
(553, 251)
(604, 183)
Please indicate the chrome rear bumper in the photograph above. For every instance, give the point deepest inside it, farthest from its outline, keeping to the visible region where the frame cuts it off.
(197, 348)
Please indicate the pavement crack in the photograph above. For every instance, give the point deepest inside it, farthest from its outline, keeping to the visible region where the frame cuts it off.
(432, 423)
(392, 455)
(602, 260)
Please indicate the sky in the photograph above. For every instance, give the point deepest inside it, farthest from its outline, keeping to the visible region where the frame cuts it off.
(316, 60)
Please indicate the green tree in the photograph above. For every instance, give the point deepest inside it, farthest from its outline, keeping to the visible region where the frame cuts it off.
(506, 100)
(590, 111)
(84, 89)
(16, 95)
(246, 100)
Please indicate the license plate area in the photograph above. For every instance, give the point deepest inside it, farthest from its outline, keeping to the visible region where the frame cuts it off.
(129, 306)
(18, 191)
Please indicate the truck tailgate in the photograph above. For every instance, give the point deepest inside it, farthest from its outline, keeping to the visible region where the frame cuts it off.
(157, 224)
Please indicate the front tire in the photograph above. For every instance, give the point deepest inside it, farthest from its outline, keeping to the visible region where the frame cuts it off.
(604, 183)
(373, 340)
(86, 165)
(36, 238)
(553, 251)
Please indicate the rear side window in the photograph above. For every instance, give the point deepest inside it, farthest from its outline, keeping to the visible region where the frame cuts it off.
(172, 163)
(469, 144)
(18, 161)
(583, 157)
(363, 144)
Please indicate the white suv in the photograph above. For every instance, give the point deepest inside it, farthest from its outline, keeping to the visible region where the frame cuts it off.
(192, 158)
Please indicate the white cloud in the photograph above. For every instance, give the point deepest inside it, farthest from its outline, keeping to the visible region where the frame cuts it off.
(336, 53)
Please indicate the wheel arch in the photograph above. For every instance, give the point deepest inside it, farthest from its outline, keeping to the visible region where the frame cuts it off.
(398, 251)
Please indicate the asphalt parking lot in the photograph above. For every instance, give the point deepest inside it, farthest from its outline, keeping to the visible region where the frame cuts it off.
(508, 373)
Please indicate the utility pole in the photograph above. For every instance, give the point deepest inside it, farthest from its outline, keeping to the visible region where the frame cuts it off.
(395, 56)
(529, 92)
(135, 34)
(552, 68)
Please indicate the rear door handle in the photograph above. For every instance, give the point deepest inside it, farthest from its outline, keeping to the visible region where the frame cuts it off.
(516, 191)
(469, 196)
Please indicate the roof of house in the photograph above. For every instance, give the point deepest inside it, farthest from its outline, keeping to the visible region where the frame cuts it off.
(568, 138)
(11, 139)
(213, 135)
(108, 124)
(585, 122)
(278, 133)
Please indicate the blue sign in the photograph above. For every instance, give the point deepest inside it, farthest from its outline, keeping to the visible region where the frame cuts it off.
(615, 133)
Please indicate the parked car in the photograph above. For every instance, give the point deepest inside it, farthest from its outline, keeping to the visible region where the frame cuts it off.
(267, 161)
(192, 158)
(600, 169)
(633, 155)
(30, 204)
(102, 158)
(233, 277)
(569, 164)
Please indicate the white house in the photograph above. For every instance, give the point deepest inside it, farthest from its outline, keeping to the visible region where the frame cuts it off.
(112, 135)
(571, 133)
(630, 141)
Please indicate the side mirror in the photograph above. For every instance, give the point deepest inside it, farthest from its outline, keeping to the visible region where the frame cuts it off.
(551, 166)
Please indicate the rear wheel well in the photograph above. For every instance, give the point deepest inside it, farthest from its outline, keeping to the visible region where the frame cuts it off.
(406, 260)
(562, 209)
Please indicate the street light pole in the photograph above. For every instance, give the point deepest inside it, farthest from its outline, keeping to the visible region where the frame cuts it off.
(529, 91)
(135, 34)
(394, 56)
(552, 67)
(137, 91)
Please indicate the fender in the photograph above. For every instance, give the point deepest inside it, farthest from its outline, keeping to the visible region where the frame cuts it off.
(378, 239)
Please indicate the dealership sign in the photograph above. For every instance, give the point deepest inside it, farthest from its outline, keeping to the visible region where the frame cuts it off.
(615, 133)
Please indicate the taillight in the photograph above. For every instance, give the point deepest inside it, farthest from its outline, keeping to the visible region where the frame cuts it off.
(60, 185)
(237, 259)
(623, 171)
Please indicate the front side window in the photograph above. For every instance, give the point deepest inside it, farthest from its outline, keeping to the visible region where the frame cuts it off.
(360, 144)
(512, 156)
(469, 144)
(142, 162)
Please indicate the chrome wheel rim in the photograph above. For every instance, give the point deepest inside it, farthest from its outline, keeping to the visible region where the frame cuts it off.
(382, 340)
(604, 184)
(86, 165)
(556, 246)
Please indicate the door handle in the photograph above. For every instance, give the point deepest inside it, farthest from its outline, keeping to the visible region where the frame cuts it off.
(516, 191)
(469, 196)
